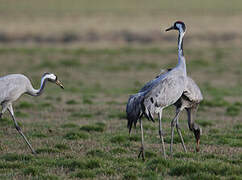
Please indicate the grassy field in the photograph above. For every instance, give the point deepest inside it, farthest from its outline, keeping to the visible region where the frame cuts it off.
(103, 52)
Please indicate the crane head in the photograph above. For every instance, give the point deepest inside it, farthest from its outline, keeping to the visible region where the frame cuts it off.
(178, 25)
(197, 132)
(53, 78)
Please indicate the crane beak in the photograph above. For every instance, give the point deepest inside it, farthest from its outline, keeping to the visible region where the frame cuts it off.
(171, 28)
(59, 83)
(197, 136)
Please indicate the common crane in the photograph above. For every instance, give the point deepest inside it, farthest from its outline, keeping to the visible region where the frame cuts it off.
(189, 100)
(13, 86)
(162, 92)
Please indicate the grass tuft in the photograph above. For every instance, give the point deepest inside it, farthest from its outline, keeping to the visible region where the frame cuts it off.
(96, 153)
(76, 135)
(71, 102)
(96, 127)
(93, 163)
(185, 168)
(135, 138)
(119, 139)
(150, 154)
(233, 110)
(69, 125)
(85, 174)
(16, 157)
(21, 114)
(217, 102)
(81, 115)
(12, 165)
(87, 100)
(61, 146)
(25, 105)
(158, 164)
(130, 176)
(117, 115)
(47, 150)
(118, 150)
(72, 164)
(150, 175)
(38, 135)
(48, 177)
(183, 155)
(5, 121)
(204, 123)
(202, 176)
(34, 171)
(70, 62)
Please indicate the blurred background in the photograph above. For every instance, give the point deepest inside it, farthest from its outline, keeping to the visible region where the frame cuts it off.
(117, 23)
(103, 51)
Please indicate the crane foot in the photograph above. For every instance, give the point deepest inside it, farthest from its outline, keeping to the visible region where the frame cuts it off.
(141, 153)
(34, 153)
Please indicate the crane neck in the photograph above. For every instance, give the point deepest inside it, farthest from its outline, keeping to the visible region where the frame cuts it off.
(38, 92)
(181, 58)
(180, 42)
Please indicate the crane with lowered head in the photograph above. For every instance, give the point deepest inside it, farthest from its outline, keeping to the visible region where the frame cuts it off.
(13, 86)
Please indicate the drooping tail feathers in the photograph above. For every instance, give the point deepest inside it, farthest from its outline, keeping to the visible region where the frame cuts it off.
(134, 110)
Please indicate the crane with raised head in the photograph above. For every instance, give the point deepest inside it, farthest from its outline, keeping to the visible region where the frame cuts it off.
(13, 86)
(161, 93)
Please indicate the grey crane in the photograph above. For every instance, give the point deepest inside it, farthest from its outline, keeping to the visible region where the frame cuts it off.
(13, 86)
(161, 93)
(189, 100)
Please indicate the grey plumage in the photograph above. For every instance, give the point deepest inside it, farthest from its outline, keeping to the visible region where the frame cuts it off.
(13, 86)
(189, 100)
(161, 92)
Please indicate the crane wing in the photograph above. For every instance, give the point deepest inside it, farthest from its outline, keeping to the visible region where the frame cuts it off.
(163, 91)
(192, 91)
(149, 84)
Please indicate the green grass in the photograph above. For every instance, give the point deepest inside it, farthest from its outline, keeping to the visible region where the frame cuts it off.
(85, 174)
(71, 102)
(34, 171)
(25, 105)
(233, 110)
(46, 150)
(81, 115)
(62, 146)
(16, 157)
(75, 135)
(80, 132)
(204, 123)
(5, 121)
(69, 125)
(98, 127)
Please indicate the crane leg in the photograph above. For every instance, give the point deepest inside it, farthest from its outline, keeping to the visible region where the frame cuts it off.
(141, 153)
(173, 122)
(4, 108)
(161, 134)
(180, 134)
(10, 109)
